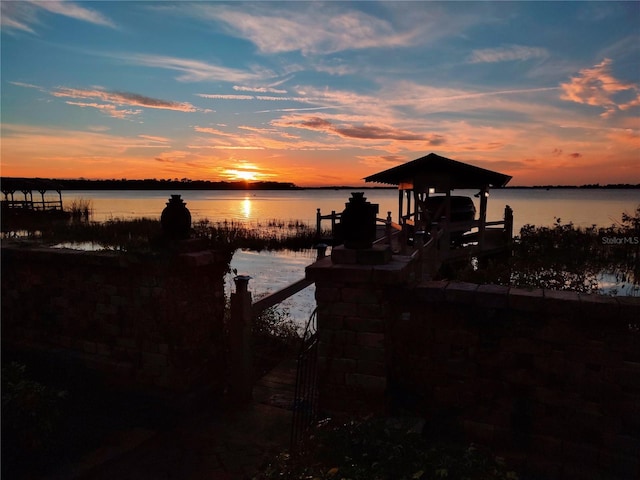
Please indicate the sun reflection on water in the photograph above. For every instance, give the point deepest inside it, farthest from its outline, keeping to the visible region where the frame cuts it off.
(246, 208)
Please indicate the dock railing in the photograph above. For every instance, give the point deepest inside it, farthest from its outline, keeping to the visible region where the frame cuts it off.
(401, 234)
(390, 228)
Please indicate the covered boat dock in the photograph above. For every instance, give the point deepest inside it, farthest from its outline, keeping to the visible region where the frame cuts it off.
(445, 227)
(26, 186)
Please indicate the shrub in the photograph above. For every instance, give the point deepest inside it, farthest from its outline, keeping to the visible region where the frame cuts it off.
(382, 449)
(276, 322)
(31, 411)
(564, 257)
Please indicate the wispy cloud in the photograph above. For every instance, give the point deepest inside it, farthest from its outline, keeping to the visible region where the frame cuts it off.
(155, 139)
(212, 131)
(25, 15)
(119, 98)
(195, 70)
(239, 88)
(18, 16)
(216, 96)
(507, 54)
(72, 10)
(268, 98)
(113, 100)
(303, 109)
(110, 110)
(598, 87)
(281, 99)
(363, 132)
(311, 30)
(27, 85)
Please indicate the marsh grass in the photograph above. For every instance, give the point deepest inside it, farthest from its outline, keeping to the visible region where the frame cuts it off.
(271, 234)
(143, 234)
(81, 209)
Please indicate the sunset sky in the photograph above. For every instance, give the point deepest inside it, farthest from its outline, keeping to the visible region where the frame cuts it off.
(319, 93)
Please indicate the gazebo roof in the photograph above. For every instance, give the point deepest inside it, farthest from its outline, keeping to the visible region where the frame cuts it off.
(439, 172)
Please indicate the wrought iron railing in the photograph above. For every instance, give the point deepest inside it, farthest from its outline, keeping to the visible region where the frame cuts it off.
(305, 400)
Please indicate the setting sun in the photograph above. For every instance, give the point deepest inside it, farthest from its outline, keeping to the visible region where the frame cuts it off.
(245, 172)
(244, 175)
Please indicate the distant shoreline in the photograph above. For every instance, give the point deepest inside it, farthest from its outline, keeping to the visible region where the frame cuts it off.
(18, 184)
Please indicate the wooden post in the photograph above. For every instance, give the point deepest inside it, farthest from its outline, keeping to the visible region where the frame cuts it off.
(416, 208)
(240, 341)
(400, 200)
(27, 203)
(318, 223)
(433, 253)
(445, 223)
(444, 244)
(44, 206)
(333, 223)
(418, 244)
(508, 225)
(387, 228)
(484, 193)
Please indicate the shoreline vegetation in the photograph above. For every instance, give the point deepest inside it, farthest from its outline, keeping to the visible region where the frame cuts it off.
(561, 257)
(7, 184)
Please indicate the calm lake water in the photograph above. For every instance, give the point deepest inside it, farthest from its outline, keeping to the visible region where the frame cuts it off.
(271, 271)
(583, 207)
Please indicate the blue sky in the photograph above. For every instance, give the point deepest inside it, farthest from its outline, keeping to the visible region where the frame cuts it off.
(320, 93)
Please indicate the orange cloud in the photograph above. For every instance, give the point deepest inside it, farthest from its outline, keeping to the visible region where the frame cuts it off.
(364, 132)
(597, 86)
(213, 131)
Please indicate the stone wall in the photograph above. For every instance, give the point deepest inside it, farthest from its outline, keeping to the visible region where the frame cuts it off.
(151, 320)
(549, 379)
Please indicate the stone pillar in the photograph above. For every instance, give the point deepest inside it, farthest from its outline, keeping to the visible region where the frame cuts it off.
(356, 303)
(240, 341)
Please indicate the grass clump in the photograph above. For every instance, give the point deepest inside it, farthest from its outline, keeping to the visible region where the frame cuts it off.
(81, 209)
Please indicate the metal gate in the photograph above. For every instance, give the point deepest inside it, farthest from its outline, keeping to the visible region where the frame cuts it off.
(305, 401)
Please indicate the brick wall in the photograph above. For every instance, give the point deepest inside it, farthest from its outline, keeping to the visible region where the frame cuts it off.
(552, 379)
(354, 304)
(143, 320)
(549, 379)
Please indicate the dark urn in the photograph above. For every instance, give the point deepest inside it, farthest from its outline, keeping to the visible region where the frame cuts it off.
(176, 219)
(358, 222)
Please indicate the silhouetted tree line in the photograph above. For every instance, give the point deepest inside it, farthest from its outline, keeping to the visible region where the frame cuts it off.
(155, 184)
